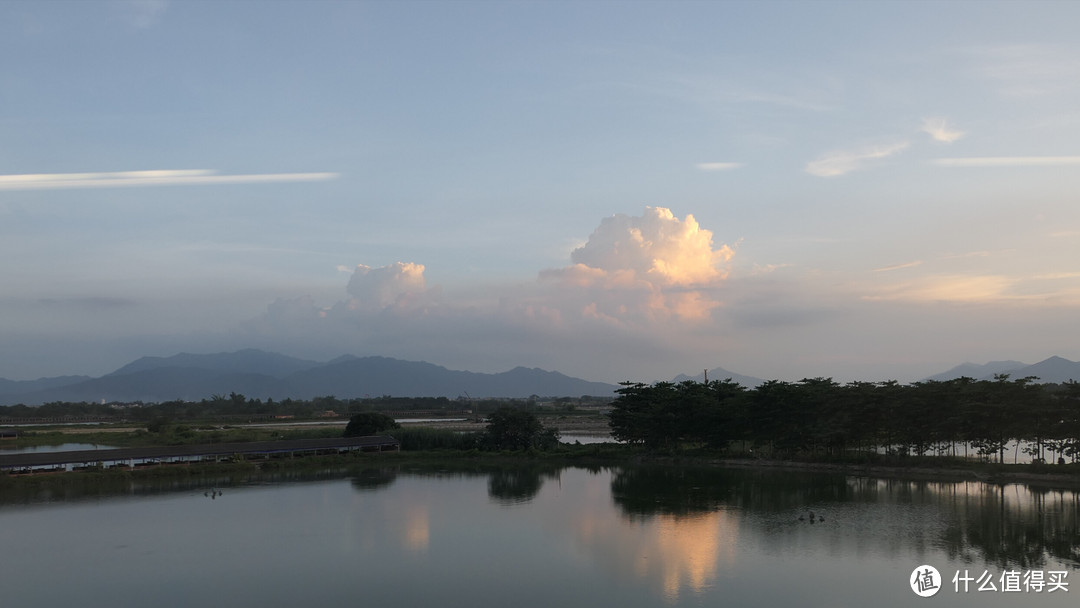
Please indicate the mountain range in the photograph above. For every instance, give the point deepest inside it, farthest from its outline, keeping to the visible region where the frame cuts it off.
(260, 374)
(1054, 369)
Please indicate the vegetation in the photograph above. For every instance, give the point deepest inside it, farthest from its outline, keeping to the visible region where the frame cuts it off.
(236, 407)
(369, 423)
(508, 429)
(820, 418)
(515, 429)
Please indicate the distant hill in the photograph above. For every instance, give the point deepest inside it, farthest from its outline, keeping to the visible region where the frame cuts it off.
(21, 387)
(247, 361)
(263, 375)
(1054, 369)
(720, 373)
(978, 372)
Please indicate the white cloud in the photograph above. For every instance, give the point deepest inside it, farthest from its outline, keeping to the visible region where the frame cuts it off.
(938, 129)
(835, 164)
(379, 288)
(165, 177)
(1008, 161)
(719, 166)
(657, 247)
(649, 268)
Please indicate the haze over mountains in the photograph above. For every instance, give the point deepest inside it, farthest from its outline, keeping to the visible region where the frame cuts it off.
(1054, 369)
(261, 374)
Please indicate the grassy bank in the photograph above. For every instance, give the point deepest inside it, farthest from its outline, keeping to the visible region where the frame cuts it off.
(126, 437)
(439, 446)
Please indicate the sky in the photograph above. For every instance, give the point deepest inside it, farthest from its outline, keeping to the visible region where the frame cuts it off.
(612, 190)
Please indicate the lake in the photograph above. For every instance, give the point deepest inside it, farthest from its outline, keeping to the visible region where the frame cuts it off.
(527, 535)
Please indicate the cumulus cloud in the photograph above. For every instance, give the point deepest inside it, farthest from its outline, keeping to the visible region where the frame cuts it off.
(379, 288)
(839, 163)
(646, 287)
(654, 265)
(938, 129)
(164, 177)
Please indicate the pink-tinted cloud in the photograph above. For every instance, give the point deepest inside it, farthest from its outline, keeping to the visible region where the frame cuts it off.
(653, 267)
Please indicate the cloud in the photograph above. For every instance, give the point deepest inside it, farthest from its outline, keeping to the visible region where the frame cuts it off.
(379, 288)
(141, 14)
(835, 164)
(899, 266)
(645, 287)
(940, 131)
(1008, 161)
(948, 288)
(656, 247)
(1027, 70)
(166, 177)
(718, 166)
(651, 268)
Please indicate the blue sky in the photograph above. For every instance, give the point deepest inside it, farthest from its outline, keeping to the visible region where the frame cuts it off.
(623, 190)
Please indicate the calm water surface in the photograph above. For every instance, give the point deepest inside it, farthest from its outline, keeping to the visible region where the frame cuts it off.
(533, 536)
(44, 449)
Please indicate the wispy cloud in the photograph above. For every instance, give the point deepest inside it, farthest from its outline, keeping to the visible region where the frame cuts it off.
(1027, 70)
(168, 177)
(948, 288)
(899, 266)
(141, 13)
(718, 166)
(939, 129)
(1008, 161)
(841, 163)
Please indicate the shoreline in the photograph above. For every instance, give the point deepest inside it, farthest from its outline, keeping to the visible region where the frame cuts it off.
(930, 473)
(608, 455)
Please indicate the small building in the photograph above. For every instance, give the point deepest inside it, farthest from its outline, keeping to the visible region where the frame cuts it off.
(9, 434)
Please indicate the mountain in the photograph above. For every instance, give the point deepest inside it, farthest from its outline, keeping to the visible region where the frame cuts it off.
(1054, 369)
(263, 375)
(978, 372)
(374, 376)
(720, 373)
(21, 387)
(247, 361)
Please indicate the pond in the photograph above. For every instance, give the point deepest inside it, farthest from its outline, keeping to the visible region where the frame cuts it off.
(535, 535)
(46, 449)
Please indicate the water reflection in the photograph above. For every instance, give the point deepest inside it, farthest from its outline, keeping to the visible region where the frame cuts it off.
(1010, 526)
(481, 535)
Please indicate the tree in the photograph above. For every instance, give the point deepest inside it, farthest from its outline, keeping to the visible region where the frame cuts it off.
(369, 423)
(514, 429)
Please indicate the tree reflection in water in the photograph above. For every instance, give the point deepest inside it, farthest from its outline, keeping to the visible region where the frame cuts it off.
(1010, 526)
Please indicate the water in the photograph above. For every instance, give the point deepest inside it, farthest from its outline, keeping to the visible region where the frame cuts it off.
(47, 449)
(532, 536)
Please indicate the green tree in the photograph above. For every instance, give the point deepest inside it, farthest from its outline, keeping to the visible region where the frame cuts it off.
(369, 423)
(513, 429)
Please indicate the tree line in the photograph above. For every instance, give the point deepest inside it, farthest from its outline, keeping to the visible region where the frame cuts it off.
(238, 406)
(817, 416)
